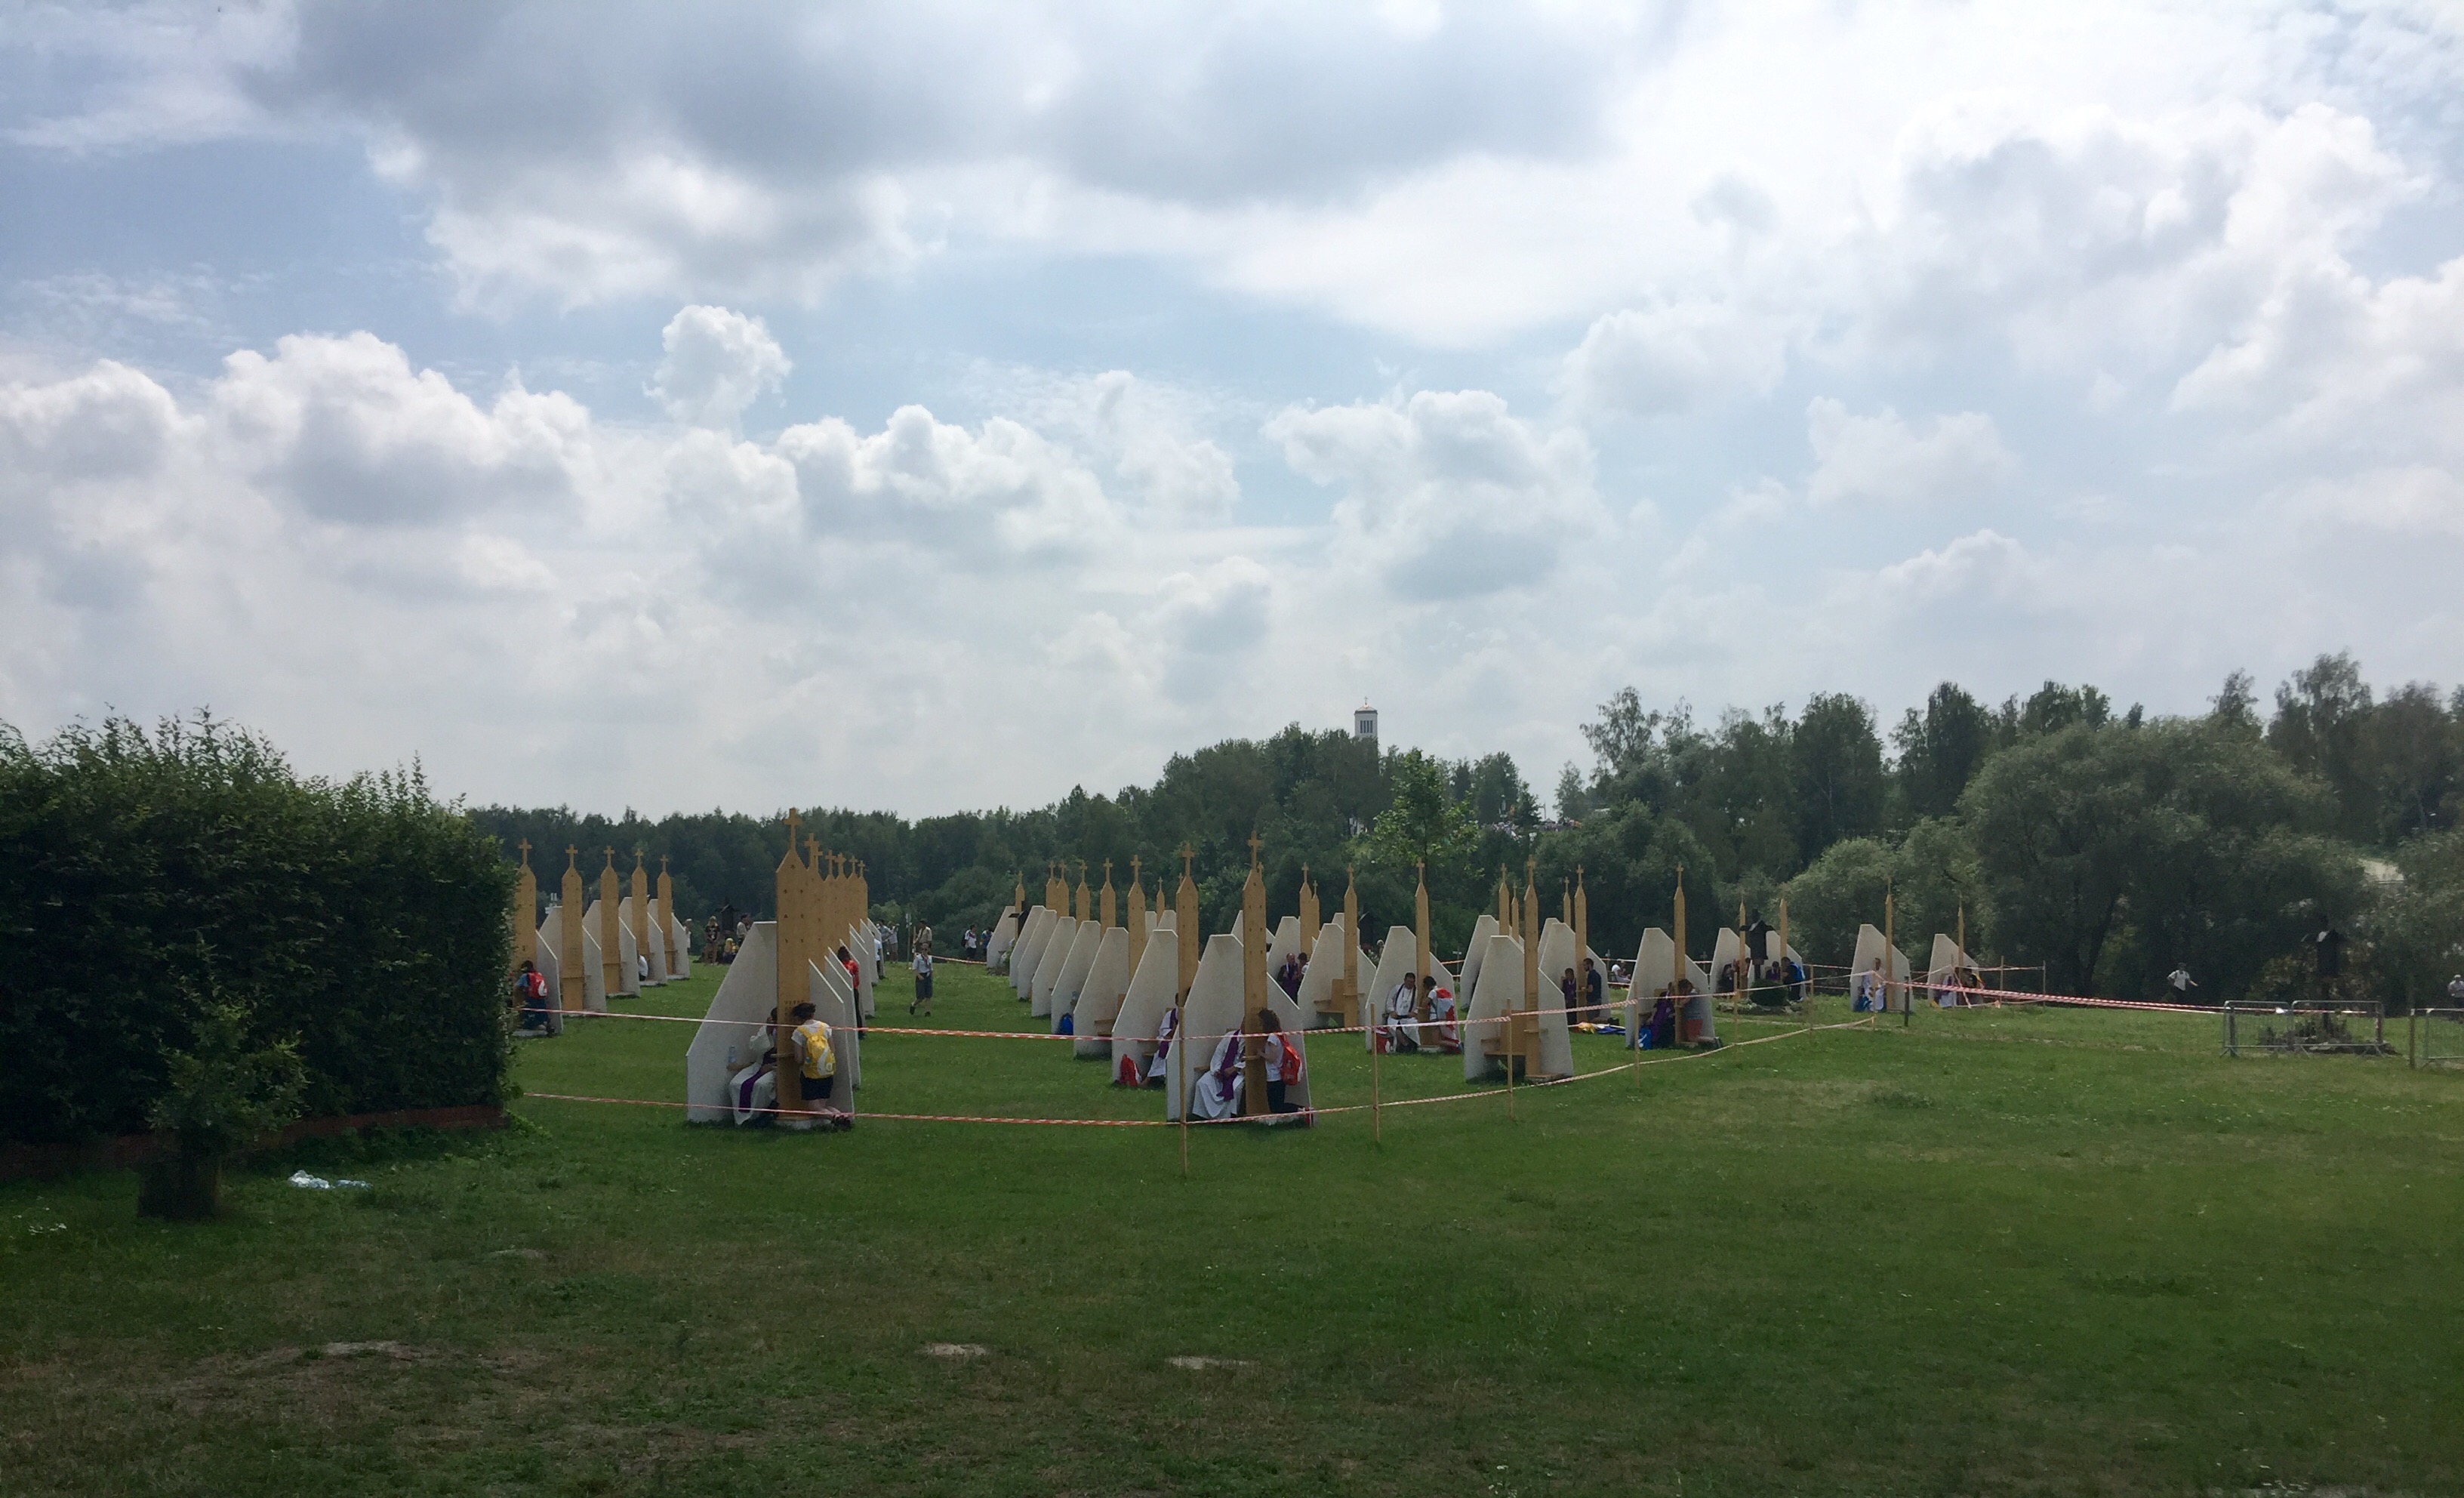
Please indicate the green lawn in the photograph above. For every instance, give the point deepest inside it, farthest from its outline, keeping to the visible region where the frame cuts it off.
(1992, 1252)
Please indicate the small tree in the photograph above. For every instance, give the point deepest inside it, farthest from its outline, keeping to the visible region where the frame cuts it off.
(1423, 823)
(221, 1096)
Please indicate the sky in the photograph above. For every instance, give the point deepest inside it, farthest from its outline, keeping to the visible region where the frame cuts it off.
(928, 406)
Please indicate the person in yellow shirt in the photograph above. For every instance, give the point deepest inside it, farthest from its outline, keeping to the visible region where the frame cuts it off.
(817, 1064)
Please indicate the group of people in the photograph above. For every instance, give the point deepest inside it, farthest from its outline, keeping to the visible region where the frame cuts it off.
(1420, 1016)
(723, 935)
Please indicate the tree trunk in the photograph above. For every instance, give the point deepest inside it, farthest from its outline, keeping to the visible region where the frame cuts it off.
(181, 1187)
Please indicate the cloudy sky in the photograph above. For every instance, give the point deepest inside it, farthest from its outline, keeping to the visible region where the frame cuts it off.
(933, 406)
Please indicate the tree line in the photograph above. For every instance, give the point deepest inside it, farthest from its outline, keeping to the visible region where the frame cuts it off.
(2102, 847)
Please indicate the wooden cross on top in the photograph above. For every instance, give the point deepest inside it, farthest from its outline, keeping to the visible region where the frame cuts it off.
(571, 852)
(1186, 855)
(1255, 842)
(526, 852)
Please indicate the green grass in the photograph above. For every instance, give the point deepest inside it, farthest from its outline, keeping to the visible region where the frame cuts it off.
(1994, 1252)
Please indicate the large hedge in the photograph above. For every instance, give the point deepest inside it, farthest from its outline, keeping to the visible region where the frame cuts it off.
(142, 872)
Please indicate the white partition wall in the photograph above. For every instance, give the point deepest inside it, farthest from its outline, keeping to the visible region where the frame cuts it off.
(1215, 1007)
(1869, 950)
(1079, 962)
(736, 1025)
(1480, 930)
(1501, 989)
(1651, 963)
(1003, 938)
(825, 984)
(1948, 962)
(1029, 950)
(1048, 967)
(626, 969)
(1101, 995)
(1153, 987)
(1325, 970)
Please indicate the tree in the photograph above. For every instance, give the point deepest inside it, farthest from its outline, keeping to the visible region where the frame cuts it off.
(1941, 749)
(1423, 823)
(2235, 705)
(1573, 802)
(2413, 759)
(1838, 761)
(2110, 854)
(2322, 713)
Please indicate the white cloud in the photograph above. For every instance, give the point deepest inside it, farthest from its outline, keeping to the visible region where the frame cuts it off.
(1666, 361)
(1881, 459)
(345, 429)
(717, 364)
(1447, 494)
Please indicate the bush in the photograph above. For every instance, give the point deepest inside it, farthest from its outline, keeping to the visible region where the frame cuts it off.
(140, 872)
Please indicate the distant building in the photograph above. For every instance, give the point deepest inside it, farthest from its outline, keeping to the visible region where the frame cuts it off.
(1364, 723)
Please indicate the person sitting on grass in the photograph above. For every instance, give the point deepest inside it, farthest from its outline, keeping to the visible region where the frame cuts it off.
(817, 1064)
(1155, 1073)
(1440, 1032)
(1773, 991)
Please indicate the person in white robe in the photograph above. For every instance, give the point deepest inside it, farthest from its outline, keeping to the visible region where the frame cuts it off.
(1160, 1066)
(1217, 1094)
(1871, 990)
(1402, 1023)
(753, 1088)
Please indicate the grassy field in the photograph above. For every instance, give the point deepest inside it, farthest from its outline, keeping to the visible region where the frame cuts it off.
(1994, 1253)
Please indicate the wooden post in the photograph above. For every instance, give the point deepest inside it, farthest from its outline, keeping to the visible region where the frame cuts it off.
(1783, 947)
(1583, 952)
(1891, 957)
(1080, 904)
(1347, 986)
(1505, 902)
(1253, 987)
(638, 891)
(1184, 904)
(1137, 917)
(572, 984)
(1104, 902)
(789, 889)
(611, 942)
(1421, 1006)
(523, 915)
(668, 919)
(1311, 917)
(1531, 976)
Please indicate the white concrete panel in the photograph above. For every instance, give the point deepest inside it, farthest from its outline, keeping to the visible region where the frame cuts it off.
(825, 984)
(1099, 997)
(1501, 989)
(1003, 938)
(1074, 968)
(1048, 967)
(625, 966)
(1215, 1006)
(1325, 970)
(1480, 930)
(736, 1025)
(1153, 987)
(1030, 949)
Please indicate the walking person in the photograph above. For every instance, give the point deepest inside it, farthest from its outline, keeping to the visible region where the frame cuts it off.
(923, 978)
(2181, 983)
